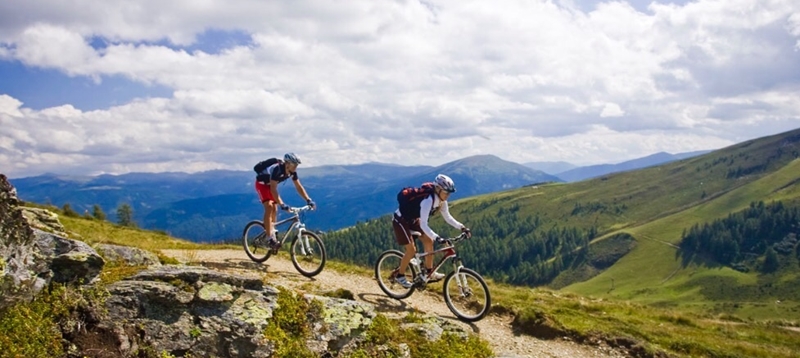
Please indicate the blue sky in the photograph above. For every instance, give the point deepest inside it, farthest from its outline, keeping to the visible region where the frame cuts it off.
(91, 87)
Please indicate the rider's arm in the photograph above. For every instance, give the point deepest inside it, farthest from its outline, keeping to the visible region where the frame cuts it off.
(445, 210)
(424, 214)
(300, 189)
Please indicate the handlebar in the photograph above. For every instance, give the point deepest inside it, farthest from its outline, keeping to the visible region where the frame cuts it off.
(453, 240)
(299, 209)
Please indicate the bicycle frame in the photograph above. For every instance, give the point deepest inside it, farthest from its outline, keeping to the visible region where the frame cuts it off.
(449, 253)
(297, 225)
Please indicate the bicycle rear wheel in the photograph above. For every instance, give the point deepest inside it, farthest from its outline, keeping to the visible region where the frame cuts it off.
(385, 269)
(308, 254)
(255, 240)
(467, 295)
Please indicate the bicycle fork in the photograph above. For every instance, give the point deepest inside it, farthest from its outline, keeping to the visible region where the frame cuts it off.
(461, 279)
(305, 246)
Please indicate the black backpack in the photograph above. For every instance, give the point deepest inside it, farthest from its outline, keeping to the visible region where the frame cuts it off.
(265, 164)
(410, 197)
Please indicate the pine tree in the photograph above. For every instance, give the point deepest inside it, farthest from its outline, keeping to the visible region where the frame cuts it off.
(771, 262)
(67, 209)
(98, 213)
(125, 215)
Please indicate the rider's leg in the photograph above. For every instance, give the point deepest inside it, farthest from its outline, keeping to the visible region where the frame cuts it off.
(402, 234)
(427, 244)
(268, 202)
(411, 250)
(269, 216)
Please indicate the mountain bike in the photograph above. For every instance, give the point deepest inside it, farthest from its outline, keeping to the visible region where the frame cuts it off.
(307, 250)
(465, 291)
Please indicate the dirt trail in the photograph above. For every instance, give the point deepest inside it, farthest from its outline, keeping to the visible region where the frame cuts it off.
(494, 329)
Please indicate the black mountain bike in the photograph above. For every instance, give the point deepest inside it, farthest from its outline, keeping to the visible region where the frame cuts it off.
(465, 291)
(307, 250)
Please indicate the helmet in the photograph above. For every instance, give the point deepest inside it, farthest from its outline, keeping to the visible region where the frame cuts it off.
(444, 182)
(291, 158)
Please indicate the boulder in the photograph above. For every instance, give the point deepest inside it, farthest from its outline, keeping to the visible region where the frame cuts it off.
(30, 257)
(194, 310)
(125, 255)
(24, 271)
(70, 261)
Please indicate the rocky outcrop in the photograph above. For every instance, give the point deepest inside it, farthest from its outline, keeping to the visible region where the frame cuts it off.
(188, 310)
(30, 258)
(205, 313)
(24, 271)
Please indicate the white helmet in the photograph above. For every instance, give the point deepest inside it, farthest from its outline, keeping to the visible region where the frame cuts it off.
(444, 182)
(291, 158)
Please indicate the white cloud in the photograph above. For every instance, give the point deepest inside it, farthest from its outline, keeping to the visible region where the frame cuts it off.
(611, 110)
(406, 82)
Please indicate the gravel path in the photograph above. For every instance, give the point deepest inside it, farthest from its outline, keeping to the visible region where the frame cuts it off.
(494, 329)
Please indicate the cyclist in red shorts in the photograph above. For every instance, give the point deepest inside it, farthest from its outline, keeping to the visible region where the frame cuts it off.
(270, 173)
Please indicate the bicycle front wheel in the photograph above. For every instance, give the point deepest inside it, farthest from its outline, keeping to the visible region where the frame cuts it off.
(255, 240)
(385, 271)
(467, 295)
(308, 254)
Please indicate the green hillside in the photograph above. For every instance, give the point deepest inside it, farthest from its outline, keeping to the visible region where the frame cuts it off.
(653, 272)
(538, 234)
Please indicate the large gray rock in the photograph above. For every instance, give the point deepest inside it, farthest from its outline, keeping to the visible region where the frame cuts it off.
(71, 261)
(205, 313)
(128, 256)
(30, 258)
(44, 220)
(24, 271)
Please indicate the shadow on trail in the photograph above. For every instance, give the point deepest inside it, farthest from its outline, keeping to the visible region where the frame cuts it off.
(385, 304)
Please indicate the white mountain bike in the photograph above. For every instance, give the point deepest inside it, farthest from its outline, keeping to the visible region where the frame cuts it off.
(307, 250)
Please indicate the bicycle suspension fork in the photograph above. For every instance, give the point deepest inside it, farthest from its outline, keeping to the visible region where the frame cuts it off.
(461, 279)
(305, 247)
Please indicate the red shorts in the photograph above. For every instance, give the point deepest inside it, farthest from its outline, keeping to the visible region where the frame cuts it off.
(264, 194)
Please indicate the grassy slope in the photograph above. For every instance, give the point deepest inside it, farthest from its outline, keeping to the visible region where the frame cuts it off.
(653, 272)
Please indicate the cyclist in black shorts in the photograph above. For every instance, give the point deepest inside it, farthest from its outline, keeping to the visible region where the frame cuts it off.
(414, 217)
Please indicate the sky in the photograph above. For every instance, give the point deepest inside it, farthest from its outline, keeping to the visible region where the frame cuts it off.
(90, 87)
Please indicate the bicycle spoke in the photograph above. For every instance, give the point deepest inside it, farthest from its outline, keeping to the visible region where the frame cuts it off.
(254, 240)
(308, 254)
(467, 295)
(385, 270)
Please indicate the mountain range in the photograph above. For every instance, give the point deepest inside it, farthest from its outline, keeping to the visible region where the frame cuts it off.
(215, 205)
(592, 171)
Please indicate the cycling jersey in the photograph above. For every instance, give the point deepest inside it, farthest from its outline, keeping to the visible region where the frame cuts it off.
(427, 208)
(276, 172)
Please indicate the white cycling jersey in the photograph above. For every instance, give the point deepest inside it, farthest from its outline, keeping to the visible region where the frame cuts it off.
(428, 207)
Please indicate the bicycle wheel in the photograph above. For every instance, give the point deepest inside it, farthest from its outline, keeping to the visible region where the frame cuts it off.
(385, 269)
(467, 295)
(254, 240)
(308, 254)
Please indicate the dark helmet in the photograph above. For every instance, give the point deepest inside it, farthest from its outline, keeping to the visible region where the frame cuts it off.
(291, 158)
